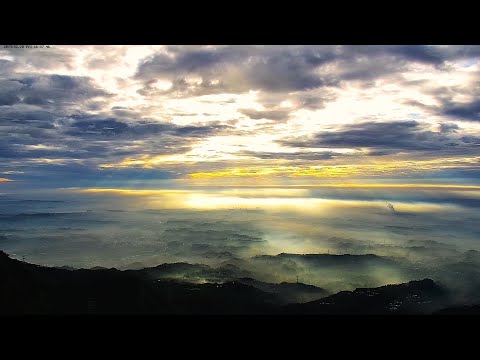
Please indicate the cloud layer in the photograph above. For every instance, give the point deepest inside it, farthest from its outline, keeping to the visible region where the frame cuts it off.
(180, 110)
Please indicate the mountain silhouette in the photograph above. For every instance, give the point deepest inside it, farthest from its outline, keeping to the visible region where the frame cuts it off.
(460, 310)
(288, 292)
(422, 296)
(33, 289)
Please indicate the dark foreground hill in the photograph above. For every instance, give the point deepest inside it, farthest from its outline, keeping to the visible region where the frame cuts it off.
(423, 296)
(288, 292)
(460, 310)
(27, 289)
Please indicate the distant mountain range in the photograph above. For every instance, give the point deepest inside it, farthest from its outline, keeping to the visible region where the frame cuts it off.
(288, 292)
(164, 289)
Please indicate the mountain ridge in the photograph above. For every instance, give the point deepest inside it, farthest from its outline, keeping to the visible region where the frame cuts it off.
(32, 289)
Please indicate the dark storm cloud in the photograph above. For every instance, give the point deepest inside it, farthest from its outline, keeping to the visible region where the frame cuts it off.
(279, 114)
(50, 58)
(36, 121)
(284, 69)
(448, 127)
(420, 53)
(93, 125)
(9, 92)
(262, 67)
(6, 66)
(8, 99)
(57, 89)
(467, 111)
(471, 140)
(313, 101)
(48, 91)
(20, 115)
(186, 62)
(97, 127)
(19, 129)
(200, 131)
(380, 136)
(238, 69)
(447, 98)
(426, 54)
(86, 140)
(324, 155)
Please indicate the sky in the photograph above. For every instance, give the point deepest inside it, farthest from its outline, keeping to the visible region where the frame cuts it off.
(174, 116)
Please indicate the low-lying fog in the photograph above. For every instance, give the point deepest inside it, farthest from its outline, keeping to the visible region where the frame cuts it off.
(415, 232)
